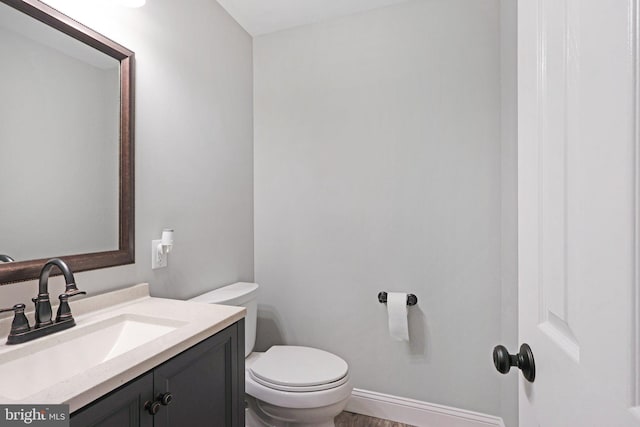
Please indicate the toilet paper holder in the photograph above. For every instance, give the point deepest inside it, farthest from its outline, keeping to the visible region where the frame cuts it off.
(411, 298)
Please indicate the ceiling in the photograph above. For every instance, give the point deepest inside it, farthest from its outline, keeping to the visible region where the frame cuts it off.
(266, 16)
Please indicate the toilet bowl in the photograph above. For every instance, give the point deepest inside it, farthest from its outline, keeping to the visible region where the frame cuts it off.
(286, 386)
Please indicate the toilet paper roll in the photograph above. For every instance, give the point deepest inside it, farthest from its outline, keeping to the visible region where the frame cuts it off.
(398, 321)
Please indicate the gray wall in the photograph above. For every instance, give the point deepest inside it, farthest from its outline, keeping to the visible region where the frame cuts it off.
(378, 166)
(194, 150)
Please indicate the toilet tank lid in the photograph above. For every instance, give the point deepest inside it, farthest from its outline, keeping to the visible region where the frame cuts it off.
(234, 294)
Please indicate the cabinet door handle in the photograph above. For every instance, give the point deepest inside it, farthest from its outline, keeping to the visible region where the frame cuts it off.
(165, 398)
(152, 407)
(162, 400)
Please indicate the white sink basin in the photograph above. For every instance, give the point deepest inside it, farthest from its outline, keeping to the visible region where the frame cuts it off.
(48, 361)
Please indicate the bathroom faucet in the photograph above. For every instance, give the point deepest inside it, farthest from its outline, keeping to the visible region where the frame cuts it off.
(20, 329)
(6, 258)
(43, 305)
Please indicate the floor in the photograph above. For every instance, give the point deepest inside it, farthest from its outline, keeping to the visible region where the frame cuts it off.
(349, 419)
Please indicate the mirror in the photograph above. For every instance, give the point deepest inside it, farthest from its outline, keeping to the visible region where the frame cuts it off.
(66, 144)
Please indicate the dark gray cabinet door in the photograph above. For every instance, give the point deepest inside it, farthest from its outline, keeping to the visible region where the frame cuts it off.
(205, 383)
(121, 408)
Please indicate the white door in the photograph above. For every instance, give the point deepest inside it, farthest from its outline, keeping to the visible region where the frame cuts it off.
(578, 211)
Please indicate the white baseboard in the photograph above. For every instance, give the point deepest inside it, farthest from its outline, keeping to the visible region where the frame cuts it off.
(415, 412)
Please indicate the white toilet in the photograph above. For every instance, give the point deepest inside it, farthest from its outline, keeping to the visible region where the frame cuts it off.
(286, 386)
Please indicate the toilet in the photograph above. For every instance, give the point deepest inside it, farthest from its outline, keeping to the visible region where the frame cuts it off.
(286, 386)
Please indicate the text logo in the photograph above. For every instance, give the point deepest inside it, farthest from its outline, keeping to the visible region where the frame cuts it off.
(34, 415)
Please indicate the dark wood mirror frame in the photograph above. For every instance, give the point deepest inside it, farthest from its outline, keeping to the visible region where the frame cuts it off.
(26, 270)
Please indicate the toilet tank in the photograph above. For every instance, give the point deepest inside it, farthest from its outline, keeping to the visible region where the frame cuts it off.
(241, 294)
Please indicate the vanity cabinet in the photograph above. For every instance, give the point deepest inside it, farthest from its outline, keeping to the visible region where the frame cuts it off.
(202, 386)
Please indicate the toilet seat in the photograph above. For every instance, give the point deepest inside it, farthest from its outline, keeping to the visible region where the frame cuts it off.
(299, 369)
(297, 396)
(299, 389)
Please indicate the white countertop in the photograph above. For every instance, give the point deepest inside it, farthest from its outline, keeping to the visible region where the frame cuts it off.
(191, 322)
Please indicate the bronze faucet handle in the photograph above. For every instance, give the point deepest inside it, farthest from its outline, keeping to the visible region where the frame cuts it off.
(64, 311)
(20, 323)
(73, 292)
(15, 308)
